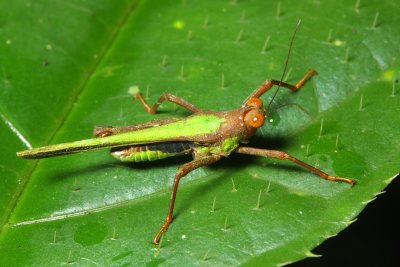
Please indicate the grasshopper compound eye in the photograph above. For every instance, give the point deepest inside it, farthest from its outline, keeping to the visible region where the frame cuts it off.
(254, 118)
(254, 102)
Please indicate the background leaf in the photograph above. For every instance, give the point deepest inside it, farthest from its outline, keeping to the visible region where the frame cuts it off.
(68, 66)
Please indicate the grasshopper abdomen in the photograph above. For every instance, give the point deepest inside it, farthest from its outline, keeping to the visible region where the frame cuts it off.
(150, 152)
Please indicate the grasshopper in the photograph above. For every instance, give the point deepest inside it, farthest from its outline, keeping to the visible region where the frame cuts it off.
(207, 135)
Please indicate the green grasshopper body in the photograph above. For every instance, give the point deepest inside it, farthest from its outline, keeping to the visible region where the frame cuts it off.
(207, 135)
(194, 128)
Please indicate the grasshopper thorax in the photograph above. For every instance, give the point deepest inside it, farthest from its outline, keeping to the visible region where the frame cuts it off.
(254, 115)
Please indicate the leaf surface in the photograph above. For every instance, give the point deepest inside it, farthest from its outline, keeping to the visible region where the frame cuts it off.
(72, 71)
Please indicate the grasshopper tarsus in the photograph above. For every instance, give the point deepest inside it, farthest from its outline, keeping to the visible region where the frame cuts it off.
(162, 230)
(341, 179)
(303, 80)
(102, 131)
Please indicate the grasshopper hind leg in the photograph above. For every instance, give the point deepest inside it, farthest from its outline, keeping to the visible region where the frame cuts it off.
(103, 131)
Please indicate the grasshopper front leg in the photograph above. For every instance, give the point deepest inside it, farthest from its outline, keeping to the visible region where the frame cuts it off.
(182, 171)
(285, 156)
(267, 85)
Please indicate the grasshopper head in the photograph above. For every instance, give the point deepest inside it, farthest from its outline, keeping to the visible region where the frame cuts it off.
(254, 115)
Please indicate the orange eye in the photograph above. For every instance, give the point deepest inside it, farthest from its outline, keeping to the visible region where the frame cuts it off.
(254, 102)
(257, 120)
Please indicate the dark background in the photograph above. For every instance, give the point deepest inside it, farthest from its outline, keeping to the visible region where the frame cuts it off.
(373, 240)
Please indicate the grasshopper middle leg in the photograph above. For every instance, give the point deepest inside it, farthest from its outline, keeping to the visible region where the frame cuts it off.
(182, 171)
(166, 97)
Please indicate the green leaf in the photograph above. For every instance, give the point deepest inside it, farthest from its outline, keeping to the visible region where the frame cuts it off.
(67, 66)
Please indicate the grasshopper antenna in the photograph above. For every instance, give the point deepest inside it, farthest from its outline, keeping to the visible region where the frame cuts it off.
(286, 64)
(288, 104)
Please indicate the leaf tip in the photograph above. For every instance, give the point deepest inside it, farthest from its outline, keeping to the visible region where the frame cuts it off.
(350, 222)
(309, 254)
(368, 201)
(388, 181)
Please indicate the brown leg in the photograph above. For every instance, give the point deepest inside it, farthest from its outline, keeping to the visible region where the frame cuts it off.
(269, 83)
(285, 156)
(172, 98)
(182, 171)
